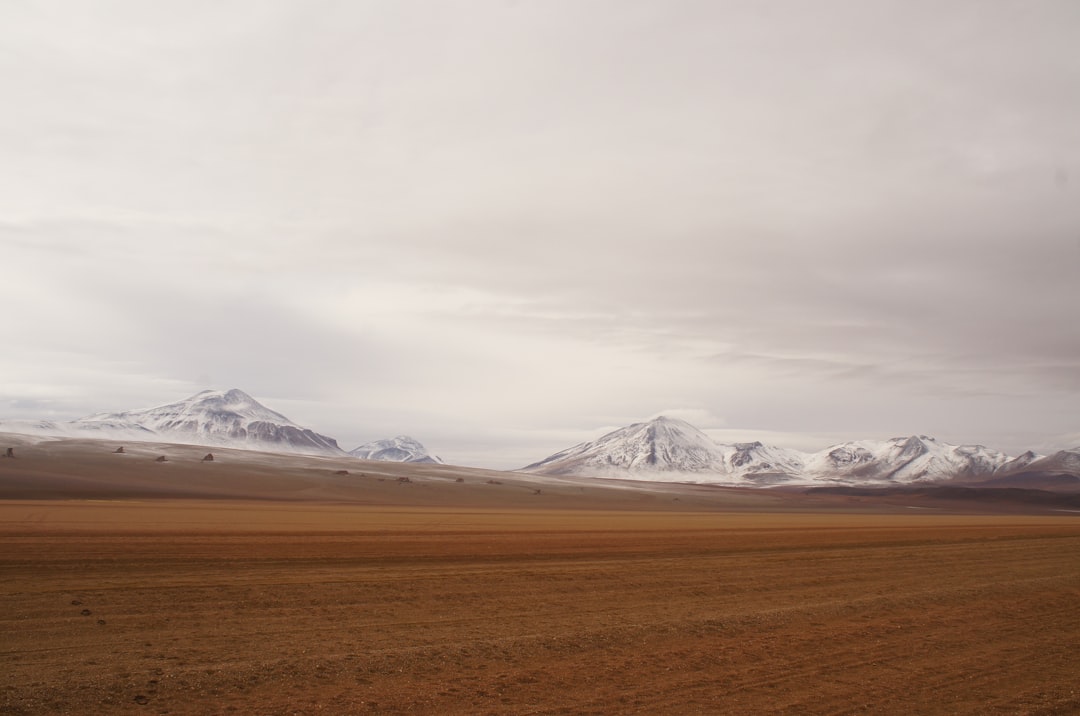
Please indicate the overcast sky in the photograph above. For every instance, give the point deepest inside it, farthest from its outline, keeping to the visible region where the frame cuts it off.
(507, 227)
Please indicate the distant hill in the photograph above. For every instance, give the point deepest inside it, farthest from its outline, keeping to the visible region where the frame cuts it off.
(229, 418)
(400, 449)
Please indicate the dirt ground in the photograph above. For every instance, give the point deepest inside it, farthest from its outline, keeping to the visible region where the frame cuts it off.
(211, 607)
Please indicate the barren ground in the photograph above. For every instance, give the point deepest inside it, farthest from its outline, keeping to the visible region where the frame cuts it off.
(207, 607)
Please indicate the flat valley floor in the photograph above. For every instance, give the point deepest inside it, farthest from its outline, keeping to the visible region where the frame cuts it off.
(213, 607)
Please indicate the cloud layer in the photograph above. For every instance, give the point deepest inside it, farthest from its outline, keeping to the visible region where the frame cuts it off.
(504, 227)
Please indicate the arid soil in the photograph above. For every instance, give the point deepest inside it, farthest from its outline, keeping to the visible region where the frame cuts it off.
(213, 607)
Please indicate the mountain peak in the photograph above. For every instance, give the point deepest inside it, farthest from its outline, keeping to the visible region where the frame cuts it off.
(229, 418)
(668, 421)
(914, 439)
(662, 444)
(667, 448)
(235, 395)
(234, 398)
(403, 448)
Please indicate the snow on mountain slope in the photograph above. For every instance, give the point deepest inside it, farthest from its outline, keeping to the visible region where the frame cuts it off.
(755, 463)
(907, 459)
(1063, 461)
(213, 417)
(663, 448)
(1021, 461)
(672, 450)
(400, 449)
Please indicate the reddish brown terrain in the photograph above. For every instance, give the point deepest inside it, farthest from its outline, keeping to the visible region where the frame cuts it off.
(283, 589)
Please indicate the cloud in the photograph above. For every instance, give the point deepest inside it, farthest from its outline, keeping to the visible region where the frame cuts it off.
(532, 220)
(699, 417)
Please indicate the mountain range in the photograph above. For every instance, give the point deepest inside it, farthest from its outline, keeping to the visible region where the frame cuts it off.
(215, 418)
(661, 449)
(669, 449)
(229, 418)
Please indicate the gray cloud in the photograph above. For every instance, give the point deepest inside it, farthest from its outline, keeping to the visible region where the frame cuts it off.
(509, 224)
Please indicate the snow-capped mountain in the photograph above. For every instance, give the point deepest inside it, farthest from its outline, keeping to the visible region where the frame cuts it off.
(1060, 471)
(662, 446)
(669, 449)
(755, 463)
(1062, 462)
(906, 459)
(400, 449)
(213, 417)
(662, 449)
(673, 450)
(1021, 461)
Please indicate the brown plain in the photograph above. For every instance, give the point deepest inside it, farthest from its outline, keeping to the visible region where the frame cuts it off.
(677, 600)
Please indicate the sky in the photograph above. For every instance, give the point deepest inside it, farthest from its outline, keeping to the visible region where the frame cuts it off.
(508, 227)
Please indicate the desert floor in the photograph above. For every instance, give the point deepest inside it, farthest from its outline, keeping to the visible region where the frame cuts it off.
(229, 606)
